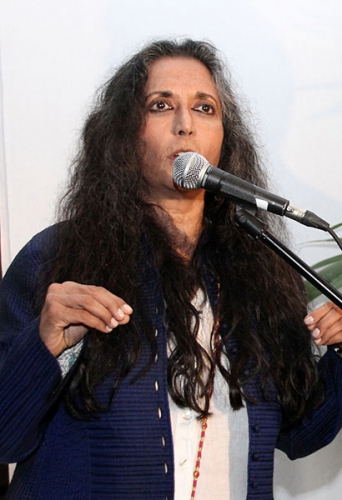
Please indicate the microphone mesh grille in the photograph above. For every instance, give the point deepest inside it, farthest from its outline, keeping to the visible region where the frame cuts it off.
(188, 170)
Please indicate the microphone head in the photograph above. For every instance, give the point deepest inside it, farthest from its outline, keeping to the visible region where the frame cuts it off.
(189, 169)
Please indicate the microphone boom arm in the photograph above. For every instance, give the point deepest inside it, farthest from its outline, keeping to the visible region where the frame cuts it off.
(257, 230)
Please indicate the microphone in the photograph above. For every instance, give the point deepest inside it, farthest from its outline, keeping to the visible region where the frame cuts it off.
(193, 171)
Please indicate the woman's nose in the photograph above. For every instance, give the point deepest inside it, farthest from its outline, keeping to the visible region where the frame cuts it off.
(183, 122)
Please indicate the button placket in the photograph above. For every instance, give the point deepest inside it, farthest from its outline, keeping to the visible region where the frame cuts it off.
(159, 410)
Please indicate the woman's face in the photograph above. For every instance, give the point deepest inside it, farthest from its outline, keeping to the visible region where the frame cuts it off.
(183, 113)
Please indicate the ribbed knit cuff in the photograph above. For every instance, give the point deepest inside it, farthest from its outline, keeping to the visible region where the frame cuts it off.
(30, 381)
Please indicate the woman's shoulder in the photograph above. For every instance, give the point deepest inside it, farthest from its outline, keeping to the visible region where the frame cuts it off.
(44, 241)
(44, 245)
(41, 249)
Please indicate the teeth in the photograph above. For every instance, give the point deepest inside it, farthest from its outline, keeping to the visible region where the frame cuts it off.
(181, 153)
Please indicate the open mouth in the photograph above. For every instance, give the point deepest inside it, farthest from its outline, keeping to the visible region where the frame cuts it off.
(181, 153)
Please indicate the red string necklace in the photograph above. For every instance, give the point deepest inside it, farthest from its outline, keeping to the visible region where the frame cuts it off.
(204, 424)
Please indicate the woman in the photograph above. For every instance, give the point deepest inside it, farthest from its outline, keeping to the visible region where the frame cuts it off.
(147, 320)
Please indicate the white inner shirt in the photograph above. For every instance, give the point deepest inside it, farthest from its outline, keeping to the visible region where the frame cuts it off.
(223, 469)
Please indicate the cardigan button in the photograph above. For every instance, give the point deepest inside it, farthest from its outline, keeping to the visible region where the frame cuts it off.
(156, 385)
(254, 485)
(255, 457)
(187, 415)
(159, 413)
(256, 428)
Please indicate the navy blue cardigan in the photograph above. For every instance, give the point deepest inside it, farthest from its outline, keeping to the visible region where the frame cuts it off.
(126, 453)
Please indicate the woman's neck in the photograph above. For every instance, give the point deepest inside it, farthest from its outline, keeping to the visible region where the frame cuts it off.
(183, 221)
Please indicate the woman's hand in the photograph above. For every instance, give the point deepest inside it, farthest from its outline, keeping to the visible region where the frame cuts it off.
(70, 309)
(325, 324)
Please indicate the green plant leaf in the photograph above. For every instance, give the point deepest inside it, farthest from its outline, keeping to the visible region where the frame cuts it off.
(329, 269)
(328, 262)
(313, 293)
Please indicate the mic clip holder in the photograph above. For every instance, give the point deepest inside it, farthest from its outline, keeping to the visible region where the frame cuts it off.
(253, 226)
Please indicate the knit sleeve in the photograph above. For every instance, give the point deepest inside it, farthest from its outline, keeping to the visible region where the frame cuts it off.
(320, 427)
(30, 376)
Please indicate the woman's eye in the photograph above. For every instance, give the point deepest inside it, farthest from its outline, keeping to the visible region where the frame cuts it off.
(160, 106)
(208, 109)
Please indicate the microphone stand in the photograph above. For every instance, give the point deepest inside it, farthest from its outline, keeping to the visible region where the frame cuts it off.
(257, 230)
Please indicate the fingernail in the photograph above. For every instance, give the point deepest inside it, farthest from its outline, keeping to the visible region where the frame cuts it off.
(127, 309)
(315, 333)
(308, 320)
(318, 341)
(109, 328)
(114, 323)
(120, 313)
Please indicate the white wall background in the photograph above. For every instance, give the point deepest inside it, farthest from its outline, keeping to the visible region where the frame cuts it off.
(286, 57)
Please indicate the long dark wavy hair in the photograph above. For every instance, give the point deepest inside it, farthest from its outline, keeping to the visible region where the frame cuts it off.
(109, 223)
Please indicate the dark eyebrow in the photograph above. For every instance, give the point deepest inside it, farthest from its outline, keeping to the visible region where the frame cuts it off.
(161, 93)
(204, 95)
(169, 93)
